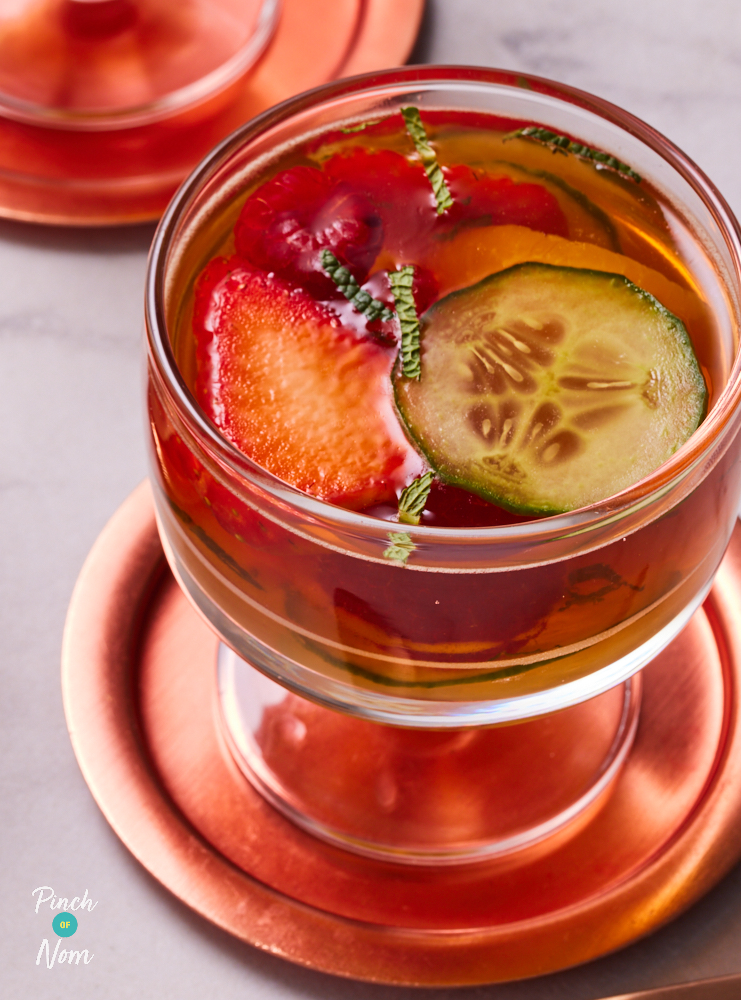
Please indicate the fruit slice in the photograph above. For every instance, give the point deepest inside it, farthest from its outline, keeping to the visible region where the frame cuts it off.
(548, 388)
(586, 222)
(402, 195)
(484, 198)
(299, 393)
(475, 254)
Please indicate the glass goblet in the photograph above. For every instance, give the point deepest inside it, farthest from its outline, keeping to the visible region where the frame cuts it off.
(358, 690)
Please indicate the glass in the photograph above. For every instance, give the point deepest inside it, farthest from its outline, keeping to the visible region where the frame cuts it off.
(482, 626)
(105, 105)
(102, 64)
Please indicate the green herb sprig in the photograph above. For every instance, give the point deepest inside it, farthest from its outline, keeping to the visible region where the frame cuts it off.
(414, 497)
(401, 285)
(363, 302)
(416, 130)
(563, 144)
(400, 548)
(360, 128)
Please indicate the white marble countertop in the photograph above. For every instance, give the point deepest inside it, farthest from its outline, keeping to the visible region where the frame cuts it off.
(72, 447)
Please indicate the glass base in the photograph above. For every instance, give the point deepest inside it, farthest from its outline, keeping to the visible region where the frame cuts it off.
(424, 797)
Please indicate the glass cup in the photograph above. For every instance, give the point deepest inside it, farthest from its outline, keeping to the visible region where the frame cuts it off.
(105, 105)
(93, 65)
(422, 636)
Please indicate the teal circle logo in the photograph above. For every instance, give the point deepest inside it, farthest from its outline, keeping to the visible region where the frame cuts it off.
(64, 924)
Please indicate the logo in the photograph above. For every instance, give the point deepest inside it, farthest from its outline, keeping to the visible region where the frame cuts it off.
(64, 925)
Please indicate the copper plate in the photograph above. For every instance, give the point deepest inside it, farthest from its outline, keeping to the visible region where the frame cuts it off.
(138, 674)
(103, 178)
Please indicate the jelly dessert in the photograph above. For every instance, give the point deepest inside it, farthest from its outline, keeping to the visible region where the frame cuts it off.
(543, 387)
(442, 320)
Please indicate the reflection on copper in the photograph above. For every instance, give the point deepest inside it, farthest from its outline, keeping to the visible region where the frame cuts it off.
(140, 698)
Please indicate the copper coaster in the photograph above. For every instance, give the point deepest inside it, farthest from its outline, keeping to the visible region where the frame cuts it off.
(138, 674)
(111, 177)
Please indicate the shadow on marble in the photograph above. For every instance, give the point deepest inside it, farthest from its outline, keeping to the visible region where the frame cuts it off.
(84, 239)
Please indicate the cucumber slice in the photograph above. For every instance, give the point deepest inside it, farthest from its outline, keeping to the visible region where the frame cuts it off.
(546, 388)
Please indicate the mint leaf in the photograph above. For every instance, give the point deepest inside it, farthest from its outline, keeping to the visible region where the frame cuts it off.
(563, 144)
(416, 130)
(401, 285)
(363, 302)
(359, 128)
(400, 548)
(414, 497)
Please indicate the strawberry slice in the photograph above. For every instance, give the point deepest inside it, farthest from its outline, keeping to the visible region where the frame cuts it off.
(487, 200)
(300, 394)
(287, 222)
(192, 485)
(236, 518)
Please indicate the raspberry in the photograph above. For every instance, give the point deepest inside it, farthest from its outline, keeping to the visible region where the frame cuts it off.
(399, 191)
(287, 222)
(402, 195)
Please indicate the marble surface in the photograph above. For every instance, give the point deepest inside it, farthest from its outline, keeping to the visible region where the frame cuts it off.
(72, 449)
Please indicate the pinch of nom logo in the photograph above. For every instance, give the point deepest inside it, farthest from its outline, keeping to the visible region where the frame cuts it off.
(64, 925)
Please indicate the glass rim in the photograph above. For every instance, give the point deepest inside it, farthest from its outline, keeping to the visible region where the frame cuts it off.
(167, 105)
(616, 507)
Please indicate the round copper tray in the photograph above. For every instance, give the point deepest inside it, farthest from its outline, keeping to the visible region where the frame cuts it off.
(103, 178)
(139, 688)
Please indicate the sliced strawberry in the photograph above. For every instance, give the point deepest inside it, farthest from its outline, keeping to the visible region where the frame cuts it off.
(487, 200)
(299, 393)
(189, 482)
(287, 222)
(185, 472)
(181, 471)
(235, 517)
